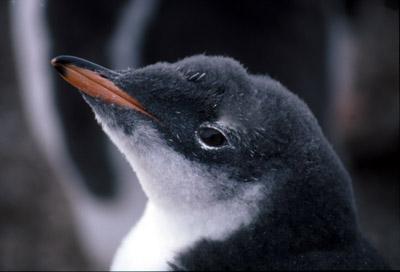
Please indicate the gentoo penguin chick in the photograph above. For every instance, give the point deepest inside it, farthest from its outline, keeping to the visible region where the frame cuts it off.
(237, 171)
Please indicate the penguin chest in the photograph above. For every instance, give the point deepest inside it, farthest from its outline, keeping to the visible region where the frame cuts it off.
(162, 233)
(152, 244)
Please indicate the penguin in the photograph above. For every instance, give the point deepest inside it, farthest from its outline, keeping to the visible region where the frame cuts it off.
(237, 171)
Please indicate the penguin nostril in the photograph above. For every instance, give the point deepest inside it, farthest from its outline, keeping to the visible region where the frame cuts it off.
(103, 75)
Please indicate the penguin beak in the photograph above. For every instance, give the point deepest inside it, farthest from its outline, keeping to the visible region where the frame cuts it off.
(93, 80)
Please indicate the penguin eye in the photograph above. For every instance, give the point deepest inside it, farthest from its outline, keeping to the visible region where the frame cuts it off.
(212, 137)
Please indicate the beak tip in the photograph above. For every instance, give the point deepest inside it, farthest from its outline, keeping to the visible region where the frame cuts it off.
(54, 62)
(59, 67)
(62, 60)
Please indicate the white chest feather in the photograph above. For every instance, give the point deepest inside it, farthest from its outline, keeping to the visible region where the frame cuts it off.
(160, 236)
(147, 247)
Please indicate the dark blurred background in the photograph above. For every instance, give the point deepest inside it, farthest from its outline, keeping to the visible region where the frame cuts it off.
(341, 57)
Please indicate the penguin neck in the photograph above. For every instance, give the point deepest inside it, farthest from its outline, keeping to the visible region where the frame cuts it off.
(183, 206)
(215, 222)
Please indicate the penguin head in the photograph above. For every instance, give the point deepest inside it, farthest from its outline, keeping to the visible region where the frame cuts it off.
(201, 131)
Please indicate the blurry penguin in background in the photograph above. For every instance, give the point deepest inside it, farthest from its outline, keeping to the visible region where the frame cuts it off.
(102, 190)
(100, 187)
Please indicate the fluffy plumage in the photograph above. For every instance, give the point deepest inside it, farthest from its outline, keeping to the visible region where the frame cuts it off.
(275, 197)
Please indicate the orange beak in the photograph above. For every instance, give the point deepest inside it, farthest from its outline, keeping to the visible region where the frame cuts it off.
(94, 83)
